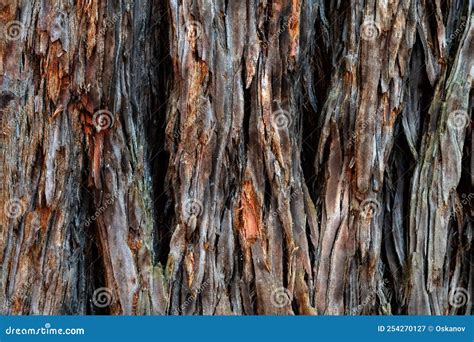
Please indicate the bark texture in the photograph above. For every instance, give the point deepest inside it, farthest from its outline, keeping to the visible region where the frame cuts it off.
(236, 157)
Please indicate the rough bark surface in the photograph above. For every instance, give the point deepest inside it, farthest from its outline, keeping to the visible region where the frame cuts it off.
(236, 157)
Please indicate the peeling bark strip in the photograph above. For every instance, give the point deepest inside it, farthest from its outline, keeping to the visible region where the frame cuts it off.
(236, 157)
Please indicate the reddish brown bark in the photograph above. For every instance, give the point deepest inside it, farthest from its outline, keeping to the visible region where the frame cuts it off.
(236, 157)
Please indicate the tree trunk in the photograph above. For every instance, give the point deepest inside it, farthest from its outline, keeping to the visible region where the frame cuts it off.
(236, 157)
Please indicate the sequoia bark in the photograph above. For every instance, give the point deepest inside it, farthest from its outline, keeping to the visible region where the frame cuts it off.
(236, 157)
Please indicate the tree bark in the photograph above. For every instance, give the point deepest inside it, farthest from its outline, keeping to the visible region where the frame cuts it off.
(236, 157)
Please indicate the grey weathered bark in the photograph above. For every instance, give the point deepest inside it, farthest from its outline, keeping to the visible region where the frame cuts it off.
(236, 157)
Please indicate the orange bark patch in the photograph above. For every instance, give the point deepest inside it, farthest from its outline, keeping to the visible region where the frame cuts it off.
(6, 13)
(44, 217)
(248, 215)
(294, 26)
(134, 243)
(189, 267)
(347, 77)
(198, 77)
(96, 159)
